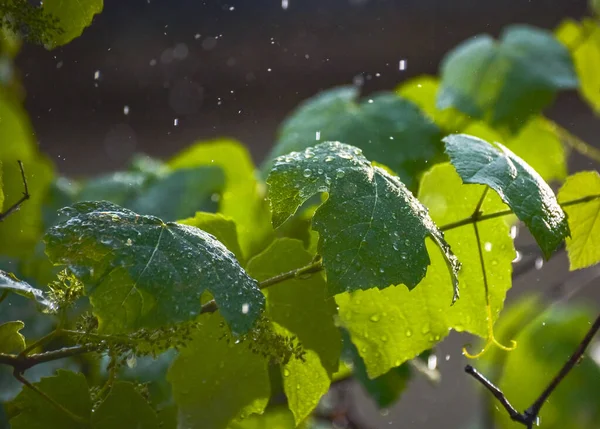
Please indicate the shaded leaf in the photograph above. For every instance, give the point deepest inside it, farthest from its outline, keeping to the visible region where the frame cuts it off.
(73, 15)
(32, 411)
(222, 227)
(583, 247)
(142, 272)
(508, 81)
(215, 382)
(394, 325)
(372, 229)
(124, 408)
(10, 283)
(519, 186)
(388, 128)
(301, 308)
(11, 341)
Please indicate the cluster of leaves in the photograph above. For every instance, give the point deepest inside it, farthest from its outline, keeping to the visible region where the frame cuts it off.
(283, 292)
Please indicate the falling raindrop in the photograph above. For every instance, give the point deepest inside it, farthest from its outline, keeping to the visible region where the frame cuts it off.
(97, 75)
(245, 308)
(539, 263)
(285, 4)
(318, 135)
(126, 110)
(514, 232)
(432, 362)
(487, 246)
(175, 122)
(402, 65)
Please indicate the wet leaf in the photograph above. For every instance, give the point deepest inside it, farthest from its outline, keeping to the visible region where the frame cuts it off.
(10, 283)
(124, 408)
(142, 272)
(519, 186)
(11, 341)
(372, 229)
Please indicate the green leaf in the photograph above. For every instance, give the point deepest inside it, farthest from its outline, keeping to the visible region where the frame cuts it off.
(215, 382)
(1, 191)
(583, 42)
(20, 232)
(124, 408)
(222, 227)
(277, 418)
(242, 199)
(11, 341)
(508, 81)
(8, 282)
(546, 341)
(519, 186)
(389, 129)
(583, 247)
(142, 272)
(372, 229)
(301, 307)
(394, 325)
(73, 15)
(69, 389)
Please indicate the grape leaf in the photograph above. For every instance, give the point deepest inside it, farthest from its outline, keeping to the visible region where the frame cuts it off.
(583, 42)
(215, 382)
(222, 227)
(301, 308)
(276, 418)
(30, 410)
(519, 186)
(73, 15)
(583, 247)
(394, 325)
(11, 341)
(142, 272)
(508, 81)
(372, 229)
(242, 199)
(124, 408)
(10, 283)
(546, 341)
(388, 128)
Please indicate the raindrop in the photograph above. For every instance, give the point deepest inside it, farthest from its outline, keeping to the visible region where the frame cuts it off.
(286, 372)
(518, 257)
(358, 80)
(514, 232)
(245, 308)
(447, 358)
(285, 4)
(384, 412)
(539, 263)
(375, 318)
(487, 246)
(318, 135)
(126, 110)
(307, 173)
(381, 270)
(175, 122)
(426, 329)
(339, 173)
(131, 361)
(329, 158)
(432, 362)
(402, 65)
(408, 333)
(129, 242)
(97, 75)
(152, 62)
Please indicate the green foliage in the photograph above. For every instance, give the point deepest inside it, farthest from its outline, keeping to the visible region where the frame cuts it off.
(124, 408)
(73, 17)
(387, 128)
(519, 186)
(143, 272)
(11, 341)
(508, 81)
(9, 283)
(31, 22)
(368, 216)
(584, 219)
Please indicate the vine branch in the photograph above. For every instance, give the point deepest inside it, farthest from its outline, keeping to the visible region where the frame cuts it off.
(530, 416)
(16, 206)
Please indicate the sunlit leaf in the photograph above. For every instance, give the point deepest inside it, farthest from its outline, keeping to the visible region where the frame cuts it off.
(394, 325)
(277, 418)
(11, 341)
(142, 272)
(124, 408)
(10, 283)
(73, 15)
(222, 227)
(506, 81)
(30, 410)
(372, 229)
(583, 247)
(215, 382)
(301, 307)
(519, 186)
(389, 129)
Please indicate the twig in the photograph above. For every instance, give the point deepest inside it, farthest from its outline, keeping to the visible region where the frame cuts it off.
(16, 206)
(530, 416)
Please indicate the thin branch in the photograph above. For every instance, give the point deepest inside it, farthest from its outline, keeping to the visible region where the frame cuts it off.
(530, 416)
(16, 206)
(41, 342)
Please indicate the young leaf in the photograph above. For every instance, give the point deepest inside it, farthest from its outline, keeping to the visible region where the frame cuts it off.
(31, 410)
(519, 186)
(124, 408)
(142, 272)
(300, 307)
(242, 199)
(10, 283)
(583, 41)
(222, 227)
(389, 129)
(11, 341)
(215, 382)
(583, 247)
(73, 15)
(372, 229)
(508, 81)
(394, 325)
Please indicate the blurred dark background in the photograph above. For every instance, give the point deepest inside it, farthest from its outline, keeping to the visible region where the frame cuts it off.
(152, 76)
(187, 69)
